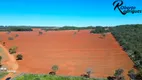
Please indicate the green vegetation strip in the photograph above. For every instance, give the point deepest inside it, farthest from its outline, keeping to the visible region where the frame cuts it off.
(50, 77)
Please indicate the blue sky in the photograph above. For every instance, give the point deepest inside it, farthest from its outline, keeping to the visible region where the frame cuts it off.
(66, 12)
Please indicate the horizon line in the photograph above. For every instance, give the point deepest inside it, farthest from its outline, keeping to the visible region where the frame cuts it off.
(65, 25)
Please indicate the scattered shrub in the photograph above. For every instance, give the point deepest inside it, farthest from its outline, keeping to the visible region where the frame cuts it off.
(0, 65)
(16, 35)
(8, 32)
(135, 76)
(19, 57)
(89, 71)
(139, 75)
(52, 73)
(0, 60)
(10, 38)
(131, 71)
(74, 33)
(111, 78)
(85, 75)
(13, 49)
(55, 68)
(118, 74)
(132, 74)
(78, 30)
(3, 43)
(99, 29)
(40, 33)
(45, 30)
(103, 35)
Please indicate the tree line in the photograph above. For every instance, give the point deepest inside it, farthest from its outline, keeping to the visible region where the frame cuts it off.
(15, 28)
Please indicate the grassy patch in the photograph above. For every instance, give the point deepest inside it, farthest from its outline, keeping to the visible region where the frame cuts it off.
(50, 77)
(2, 74)
(1, 50)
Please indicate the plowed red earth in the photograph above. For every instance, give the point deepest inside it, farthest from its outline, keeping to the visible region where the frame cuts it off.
(72, 53)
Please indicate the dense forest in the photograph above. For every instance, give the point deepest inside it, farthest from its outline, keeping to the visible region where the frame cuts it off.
(75, 28)
(67, 28)
(129, 37)
(15, 28)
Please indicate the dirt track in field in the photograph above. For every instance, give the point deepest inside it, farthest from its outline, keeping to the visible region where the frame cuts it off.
(72, 53)
(8, 61)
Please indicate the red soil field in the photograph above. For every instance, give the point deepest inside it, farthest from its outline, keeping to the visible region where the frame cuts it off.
(72, 53)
